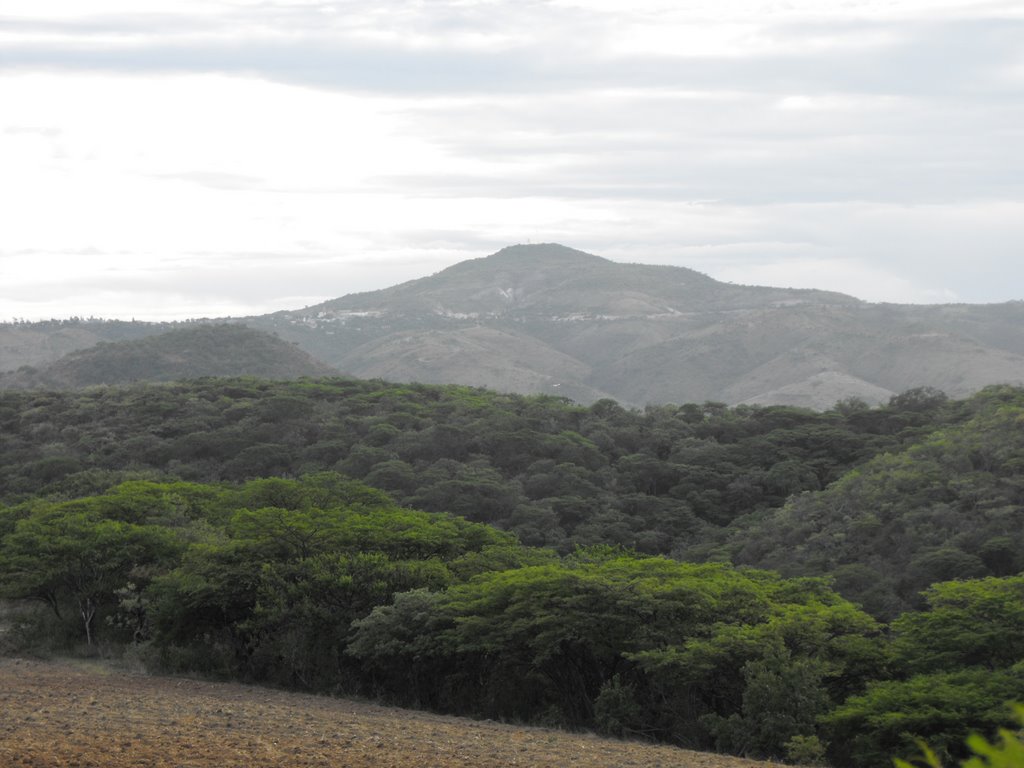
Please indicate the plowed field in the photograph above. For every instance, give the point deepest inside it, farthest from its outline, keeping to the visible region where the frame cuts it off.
(82, 715)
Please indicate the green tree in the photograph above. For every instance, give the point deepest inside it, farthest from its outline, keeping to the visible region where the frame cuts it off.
(941, 709)
(75, 559)
(782, 699)
(974, 623)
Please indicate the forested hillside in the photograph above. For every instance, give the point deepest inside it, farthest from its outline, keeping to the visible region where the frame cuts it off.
(35, 344)
(553, 574)
(555, 473)
(544, 318)
(183, 353)
(951, 506)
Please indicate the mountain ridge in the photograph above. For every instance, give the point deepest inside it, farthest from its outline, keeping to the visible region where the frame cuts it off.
(550, 319)
(191, 352)
(649, 334)
(521, 278)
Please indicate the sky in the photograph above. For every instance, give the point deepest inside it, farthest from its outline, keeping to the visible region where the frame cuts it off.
(168, 159)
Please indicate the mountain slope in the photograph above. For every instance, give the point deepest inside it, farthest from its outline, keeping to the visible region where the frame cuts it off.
(552, 281)
(550, 319)
(204, 350)
(553, 320)
(951, 506)
(37, 344)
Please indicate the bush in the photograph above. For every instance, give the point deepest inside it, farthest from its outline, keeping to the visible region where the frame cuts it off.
(940, 709)
(616, 711)
(805, 750)
(782, 699)
(1006, 752)
(33, 629)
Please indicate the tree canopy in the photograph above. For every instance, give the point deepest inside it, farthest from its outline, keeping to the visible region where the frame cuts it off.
(763, 581)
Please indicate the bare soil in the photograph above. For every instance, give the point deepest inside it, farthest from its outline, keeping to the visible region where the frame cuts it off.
(82, 715)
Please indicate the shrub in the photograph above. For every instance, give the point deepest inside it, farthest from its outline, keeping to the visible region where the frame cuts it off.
(1006, 752)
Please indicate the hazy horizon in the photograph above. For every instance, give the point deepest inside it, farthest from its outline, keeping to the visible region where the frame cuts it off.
(228, 157)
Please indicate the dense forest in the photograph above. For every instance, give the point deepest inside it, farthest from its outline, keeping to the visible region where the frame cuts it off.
(758, 580)
(188, 352)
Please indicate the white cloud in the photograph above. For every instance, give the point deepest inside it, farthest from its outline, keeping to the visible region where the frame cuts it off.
(850, 276)
(242, 155)
(831, 102)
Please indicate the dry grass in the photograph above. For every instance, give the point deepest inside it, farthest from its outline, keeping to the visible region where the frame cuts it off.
(74, 714)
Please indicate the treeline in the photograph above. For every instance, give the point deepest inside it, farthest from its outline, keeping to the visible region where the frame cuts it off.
(694, 482)
(324, 584)
(188, 352)
(556, 474)
(951, 506)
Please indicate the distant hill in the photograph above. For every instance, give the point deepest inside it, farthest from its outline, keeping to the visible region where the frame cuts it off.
(550, 319)
(186, 353)
(36, 344)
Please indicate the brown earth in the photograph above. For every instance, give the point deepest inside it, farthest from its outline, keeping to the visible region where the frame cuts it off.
(88, 715)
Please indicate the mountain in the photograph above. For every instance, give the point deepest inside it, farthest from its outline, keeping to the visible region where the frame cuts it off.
(36, 344)
(551, 319)
(186, 353)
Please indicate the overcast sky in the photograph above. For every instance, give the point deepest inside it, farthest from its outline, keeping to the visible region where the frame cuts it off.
(178, 158)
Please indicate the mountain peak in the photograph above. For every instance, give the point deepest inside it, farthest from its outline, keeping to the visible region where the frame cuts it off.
(529, 258)
(548, 318)
(552, 281)
(541, 252)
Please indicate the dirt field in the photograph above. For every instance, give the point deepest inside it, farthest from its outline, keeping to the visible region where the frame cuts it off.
(82, 715)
